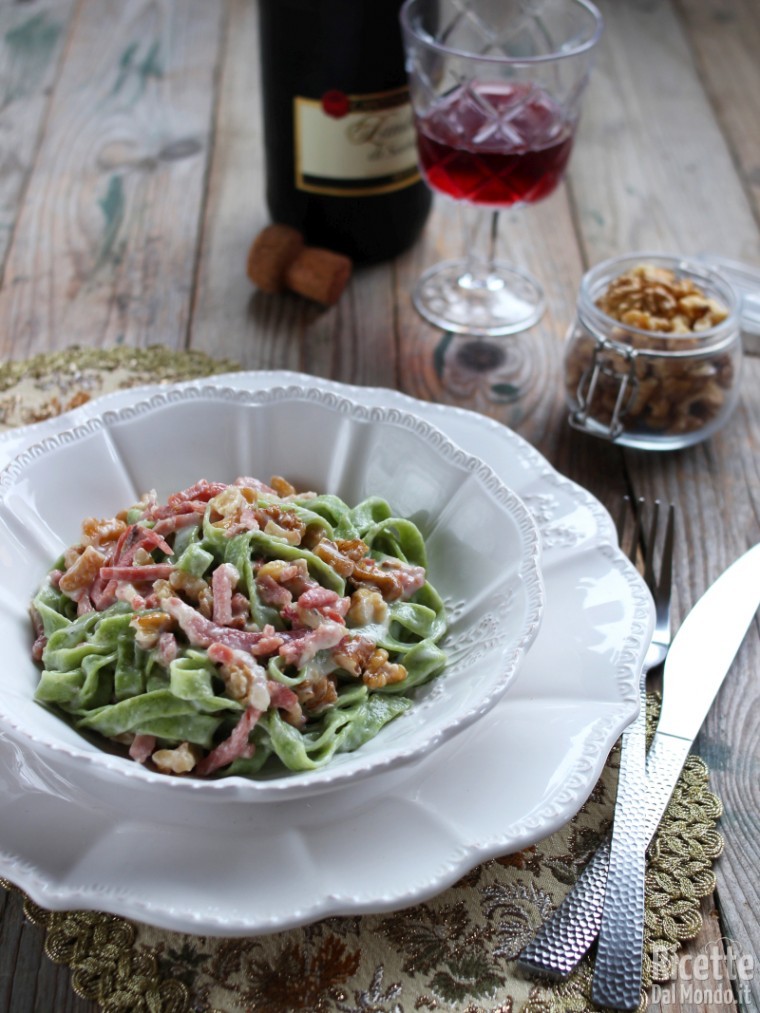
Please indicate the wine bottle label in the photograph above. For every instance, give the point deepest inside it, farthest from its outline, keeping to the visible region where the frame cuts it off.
(353, 145)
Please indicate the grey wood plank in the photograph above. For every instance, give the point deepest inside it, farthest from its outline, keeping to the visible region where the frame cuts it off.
(29, 981)
(653, 169)
(725, 41)
(105, 246)
(352, 341)
(32, 38)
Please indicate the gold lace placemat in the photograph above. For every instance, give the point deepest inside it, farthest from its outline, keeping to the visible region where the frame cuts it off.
(48, 384)
(454, 953)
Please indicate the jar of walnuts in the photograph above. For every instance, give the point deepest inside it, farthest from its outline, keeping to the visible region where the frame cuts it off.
(653, 357)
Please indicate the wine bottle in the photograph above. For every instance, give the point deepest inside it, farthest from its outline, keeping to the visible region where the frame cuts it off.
(341, 157)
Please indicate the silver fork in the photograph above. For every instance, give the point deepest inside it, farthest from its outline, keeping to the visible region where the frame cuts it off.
(660, 585)
(563, 939)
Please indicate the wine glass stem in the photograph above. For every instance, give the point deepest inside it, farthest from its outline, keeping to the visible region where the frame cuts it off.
(480, 252)
(492, 235)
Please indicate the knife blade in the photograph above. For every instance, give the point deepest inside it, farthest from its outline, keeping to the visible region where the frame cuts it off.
(698, 661)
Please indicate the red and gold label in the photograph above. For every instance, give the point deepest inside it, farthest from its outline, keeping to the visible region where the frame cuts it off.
(354, 145)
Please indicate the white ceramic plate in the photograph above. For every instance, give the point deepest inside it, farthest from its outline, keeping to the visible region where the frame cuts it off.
(515, 777)
(482, 547)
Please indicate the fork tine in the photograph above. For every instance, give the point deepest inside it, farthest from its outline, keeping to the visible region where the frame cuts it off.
(649, 577)
(633, 554)
(625, 506)
(666, 564)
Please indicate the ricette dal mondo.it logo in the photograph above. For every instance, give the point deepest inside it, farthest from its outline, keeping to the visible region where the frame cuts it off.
(717, 976)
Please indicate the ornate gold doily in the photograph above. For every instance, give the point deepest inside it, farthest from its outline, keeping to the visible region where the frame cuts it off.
(46, 385)
(455, 952)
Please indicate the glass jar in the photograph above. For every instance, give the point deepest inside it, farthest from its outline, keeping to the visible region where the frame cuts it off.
(647, 388)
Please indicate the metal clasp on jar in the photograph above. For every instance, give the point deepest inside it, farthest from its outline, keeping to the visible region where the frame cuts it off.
(603, 369)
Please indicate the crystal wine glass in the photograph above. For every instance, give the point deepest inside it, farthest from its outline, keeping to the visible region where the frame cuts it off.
(496, 88)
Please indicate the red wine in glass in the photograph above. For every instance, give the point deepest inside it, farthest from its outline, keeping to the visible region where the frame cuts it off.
(494, 145)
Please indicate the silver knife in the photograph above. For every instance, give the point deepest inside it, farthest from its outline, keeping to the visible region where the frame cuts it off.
(699, 658)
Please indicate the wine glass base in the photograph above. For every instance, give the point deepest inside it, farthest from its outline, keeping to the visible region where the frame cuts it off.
(505, 301)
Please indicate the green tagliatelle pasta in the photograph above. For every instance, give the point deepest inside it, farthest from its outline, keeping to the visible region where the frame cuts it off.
(238, 626)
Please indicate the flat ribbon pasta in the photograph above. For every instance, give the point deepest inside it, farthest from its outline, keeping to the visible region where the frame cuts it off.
(249, 627)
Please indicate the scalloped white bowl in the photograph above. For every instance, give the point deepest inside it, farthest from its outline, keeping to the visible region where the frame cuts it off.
(483, 551)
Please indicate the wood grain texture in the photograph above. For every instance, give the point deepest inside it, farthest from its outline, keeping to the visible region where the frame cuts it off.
(725, 41)
(353, 341)
(105, 245)
(652, 169)
(29, 981)
(32, 39)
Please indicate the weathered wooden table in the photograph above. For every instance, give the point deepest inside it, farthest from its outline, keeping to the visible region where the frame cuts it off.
(131, 187)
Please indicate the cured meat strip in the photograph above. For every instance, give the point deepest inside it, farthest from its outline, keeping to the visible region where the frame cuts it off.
(137, 574)
(237, 745)
(202, 632)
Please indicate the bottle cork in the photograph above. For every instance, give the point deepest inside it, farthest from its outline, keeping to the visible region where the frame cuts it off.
(279, 260)
(319, 274)
(273, 251)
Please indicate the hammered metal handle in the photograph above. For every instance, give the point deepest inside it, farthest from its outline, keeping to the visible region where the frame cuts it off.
(620, 952)
(564, 938)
